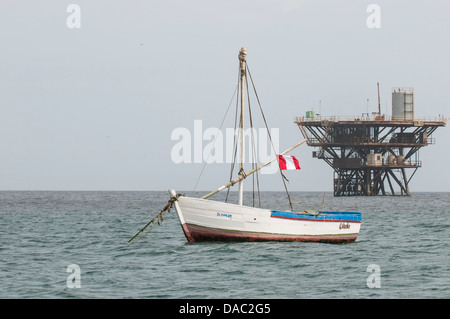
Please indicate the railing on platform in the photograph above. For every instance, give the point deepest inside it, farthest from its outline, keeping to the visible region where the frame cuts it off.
(368, 118)
(368, 140)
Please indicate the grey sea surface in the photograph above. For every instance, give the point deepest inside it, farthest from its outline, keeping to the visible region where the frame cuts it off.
(42, 233)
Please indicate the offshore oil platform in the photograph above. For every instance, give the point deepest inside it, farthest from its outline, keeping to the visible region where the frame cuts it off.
(373, 154)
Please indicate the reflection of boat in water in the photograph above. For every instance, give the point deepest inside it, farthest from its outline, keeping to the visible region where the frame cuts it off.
(207, 220)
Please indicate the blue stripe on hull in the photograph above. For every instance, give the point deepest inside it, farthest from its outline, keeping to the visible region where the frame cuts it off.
(327, 216)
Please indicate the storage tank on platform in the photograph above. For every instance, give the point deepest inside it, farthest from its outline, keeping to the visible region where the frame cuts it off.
(403, 104)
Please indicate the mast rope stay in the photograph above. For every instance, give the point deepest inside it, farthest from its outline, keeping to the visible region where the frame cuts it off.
(234, 134)
(215, 138)
(254, 156)
(270, 137)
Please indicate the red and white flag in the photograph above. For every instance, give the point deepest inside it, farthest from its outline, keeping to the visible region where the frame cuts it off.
(288, 162)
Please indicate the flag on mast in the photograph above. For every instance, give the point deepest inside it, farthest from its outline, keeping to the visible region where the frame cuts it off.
(288, 162)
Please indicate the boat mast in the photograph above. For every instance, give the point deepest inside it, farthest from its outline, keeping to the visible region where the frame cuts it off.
(242, 55)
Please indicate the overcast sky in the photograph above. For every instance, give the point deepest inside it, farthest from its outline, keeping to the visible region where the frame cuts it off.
(93, 108)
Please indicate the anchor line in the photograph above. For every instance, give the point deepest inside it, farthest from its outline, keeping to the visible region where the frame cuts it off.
(158, 219)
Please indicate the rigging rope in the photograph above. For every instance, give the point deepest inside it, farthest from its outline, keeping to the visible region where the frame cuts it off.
(270, 137)
(254, 157)
(214, 142)
(237, 90)
(234, 133)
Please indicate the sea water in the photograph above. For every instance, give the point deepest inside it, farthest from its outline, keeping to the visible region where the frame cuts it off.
(75, 245)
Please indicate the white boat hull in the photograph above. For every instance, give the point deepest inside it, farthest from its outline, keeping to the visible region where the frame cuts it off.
(206, 220)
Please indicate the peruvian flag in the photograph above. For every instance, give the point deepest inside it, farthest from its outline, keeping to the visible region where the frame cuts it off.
(288, 162)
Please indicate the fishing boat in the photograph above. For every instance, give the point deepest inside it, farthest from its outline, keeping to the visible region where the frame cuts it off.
(207, 220)
(203, 219)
